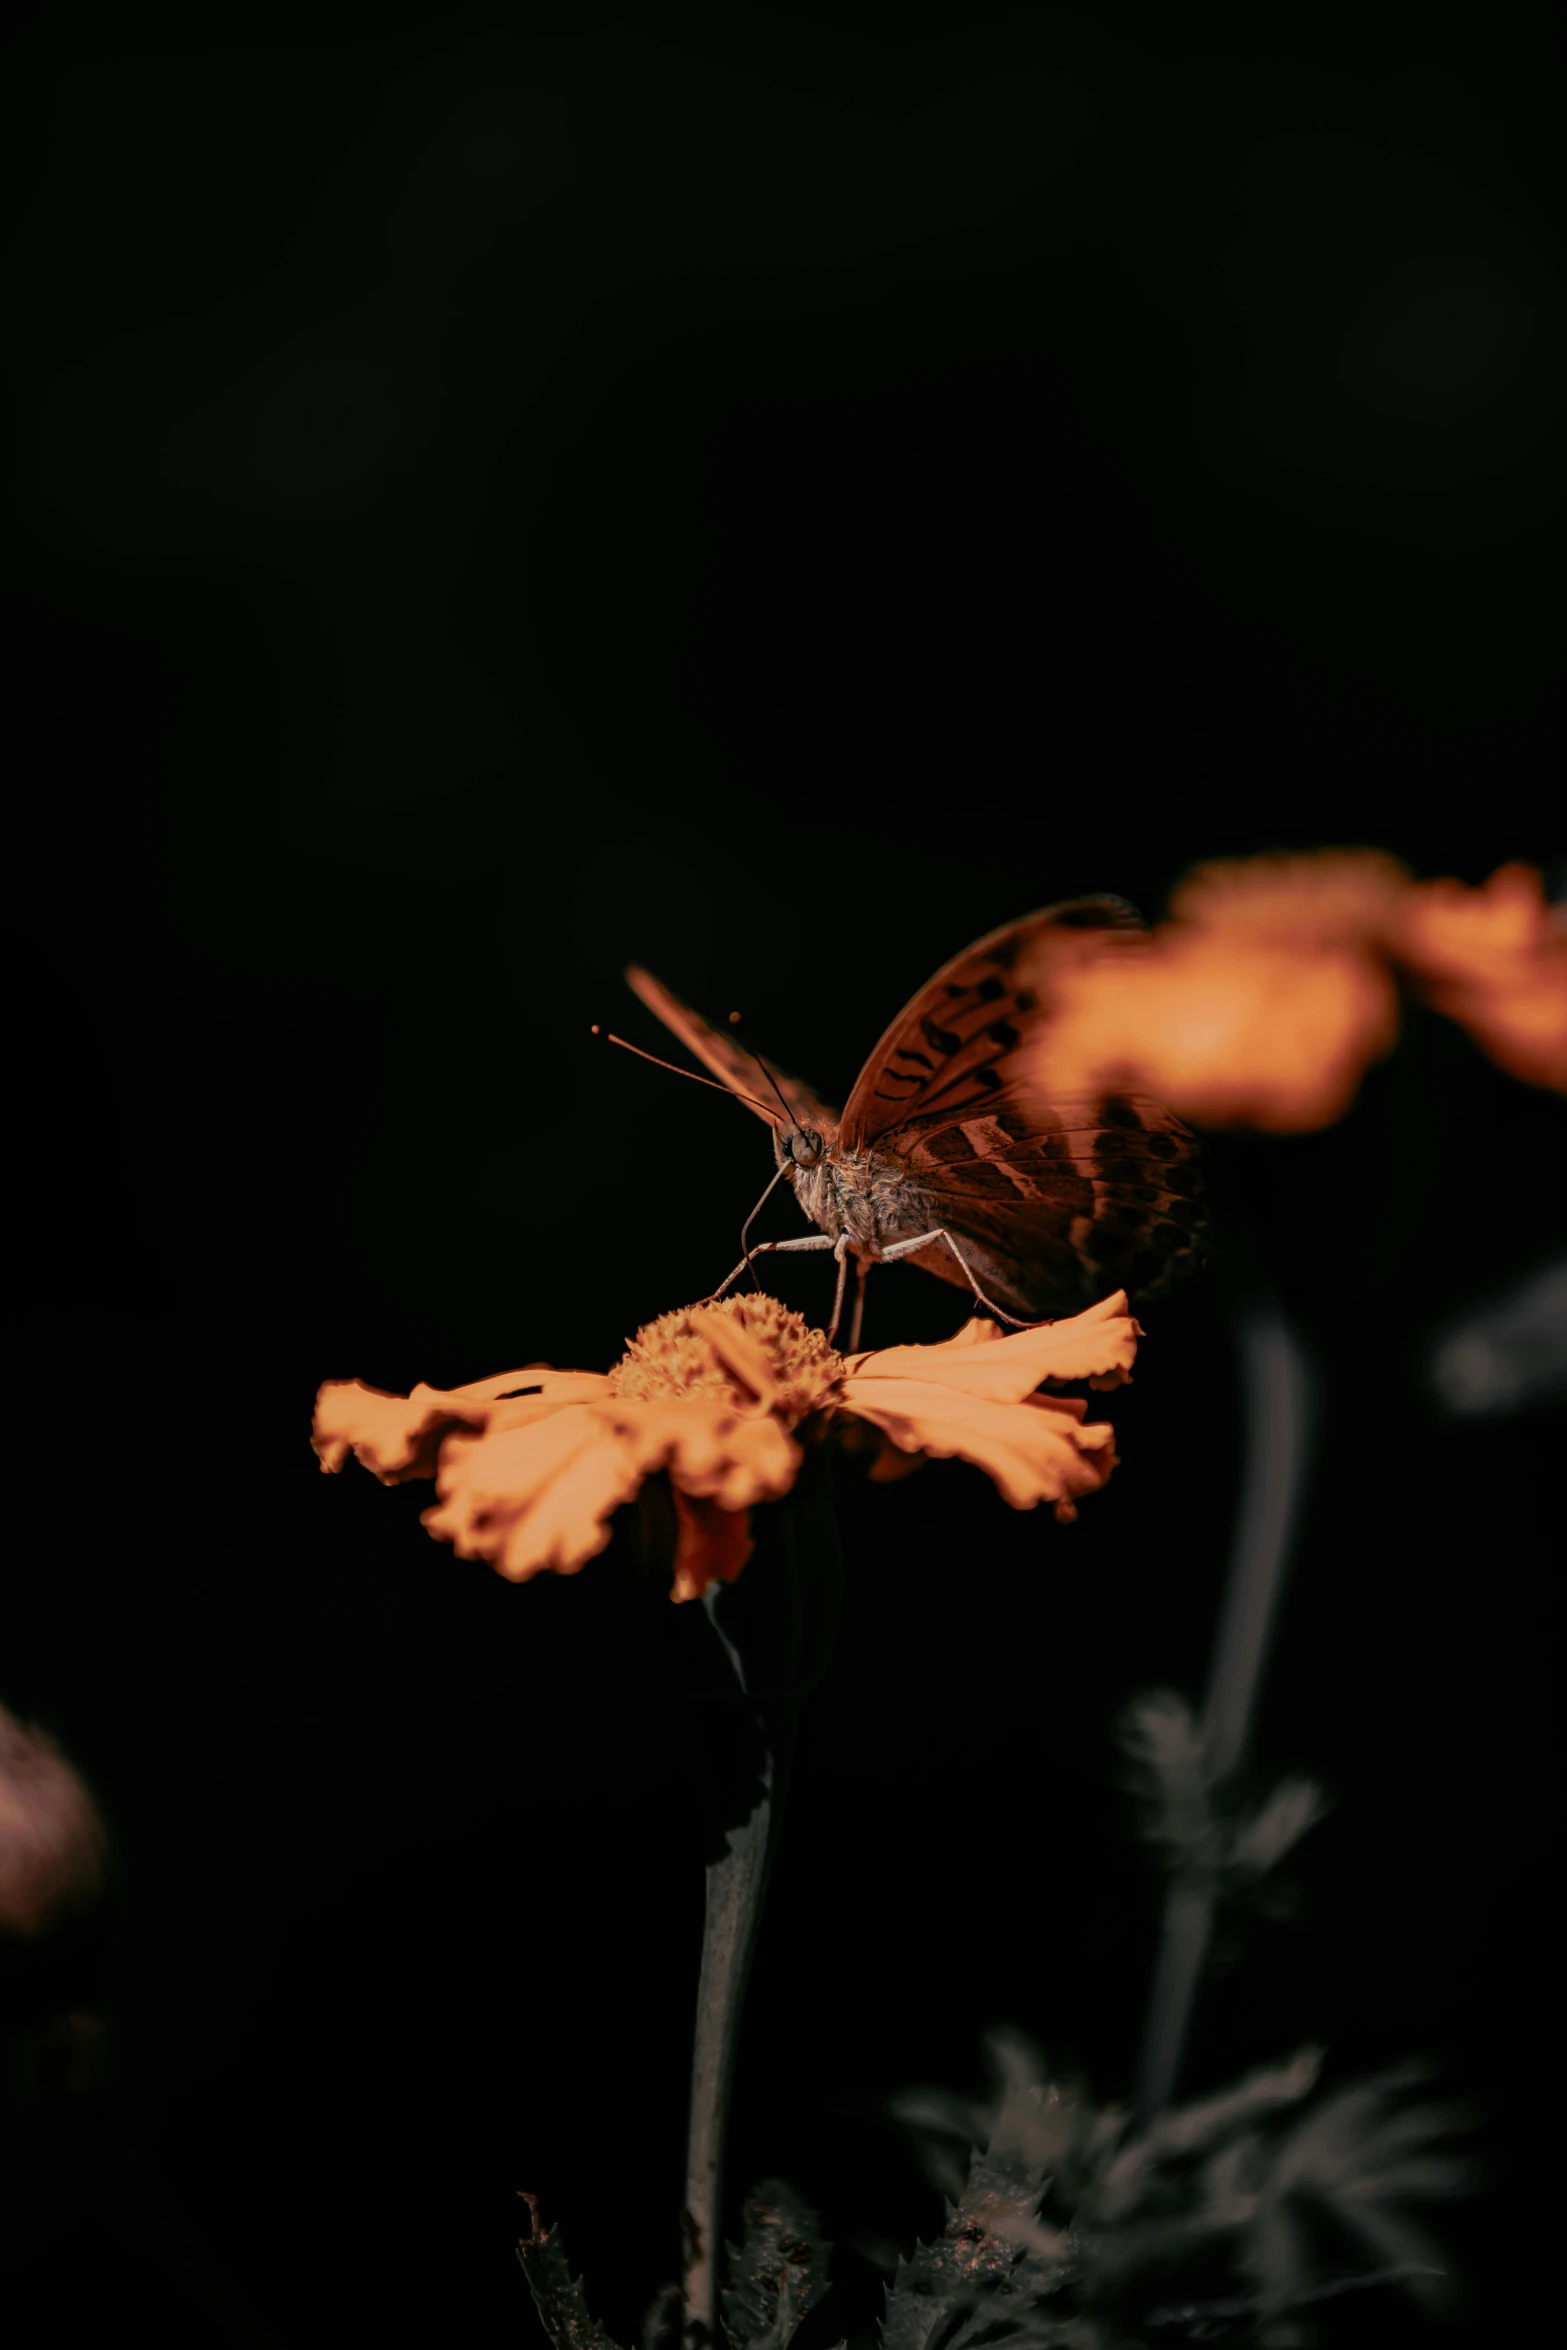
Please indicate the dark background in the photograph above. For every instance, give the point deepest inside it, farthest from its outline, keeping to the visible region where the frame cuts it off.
(773, 493)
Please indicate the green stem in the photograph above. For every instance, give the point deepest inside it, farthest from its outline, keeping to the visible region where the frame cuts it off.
(1276, 1389)
(736, 1888)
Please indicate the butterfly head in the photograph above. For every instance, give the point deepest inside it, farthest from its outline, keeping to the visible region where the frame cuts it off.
(802, 1145)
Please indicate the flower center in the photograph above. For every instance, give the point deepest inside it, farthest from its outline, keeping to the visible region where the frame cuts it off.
(682, 1354)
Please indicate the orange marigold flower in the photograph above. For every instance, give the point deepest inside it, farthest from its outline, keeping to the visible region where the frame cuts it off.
(1495, 960)
(1228, 1030)
(530, 1466)
(1272, 989)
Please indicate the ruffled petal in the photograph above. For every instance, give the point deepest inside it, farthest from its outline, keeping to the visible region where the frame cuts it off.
(1099, 1345)
(398, 1437)
(535, 1499)
(713, 1546)
(538, 1497)
(1036, 1450)
(395, 1436)
(709, 1449)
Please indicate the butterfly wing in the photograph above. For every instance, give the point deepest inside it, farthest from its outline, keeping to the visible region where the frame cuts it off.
(1055, 1203)
(719, 1051)
(964, 1041)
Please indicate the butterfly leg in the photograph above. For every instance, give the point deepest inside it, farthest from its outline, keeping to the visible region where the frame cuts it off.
(841, 1252)
(862, 1267)
(905, 1248)
(766, 1248)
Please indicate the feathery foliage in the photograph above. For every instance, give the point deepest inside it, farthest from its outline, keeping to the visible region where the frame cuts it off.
(557, 2294)
(1068, 2229)
(778, 2271)
(1190, 1815)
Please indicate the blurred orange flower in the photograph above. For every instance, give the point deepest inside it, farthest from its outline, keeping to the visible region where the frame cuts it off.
(530, 1466)
(1273, 987)
(1495, 960)
(1318, 899)
(1227, 1032)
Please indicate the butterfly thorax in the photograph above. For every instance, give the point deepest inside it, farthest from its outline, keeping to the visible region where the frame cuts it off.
(864, 1193)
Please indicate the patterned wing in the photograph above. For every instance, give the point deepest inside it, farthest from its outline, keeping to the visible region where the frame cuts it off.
(1055, 1203)
(962, 1044)
(720, 1052)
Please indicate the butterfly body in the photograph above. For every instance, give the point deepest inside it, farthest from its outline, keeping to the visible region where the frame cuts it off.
(1048, 1204)
(867, 1194)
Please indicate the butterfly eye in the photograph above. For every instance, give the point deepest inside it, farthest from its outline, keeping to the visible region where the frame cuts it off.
(804, 1147)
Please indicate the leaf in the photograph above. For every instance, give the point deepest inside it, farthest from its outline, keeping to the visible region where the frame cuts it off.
(931, 2115)
(916, 2304)
(1263, 2091)
(1162, 1740)
(1190, 2129)
(1294, 1806)
(954, 2274)
(557, 2294)
(1365, 2152)
(1029, 2131)
(996, 2261)
(1065, 2220)
(1038, 2125)
(778, 2272)
(1188, 1814)
(1197, 2317)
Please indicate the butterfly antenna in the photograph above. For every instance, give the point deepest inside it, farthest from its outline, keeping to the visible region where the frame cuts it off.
(733, 1091)
(734, 1021)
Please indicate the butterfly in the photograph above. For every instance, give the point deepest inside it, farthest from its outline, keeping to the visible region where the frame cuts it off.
(945, 1154)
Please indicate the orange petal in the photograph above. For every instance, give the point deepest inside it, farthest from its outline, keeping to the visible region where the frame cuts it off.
(1480, 935)
(714, 1545)
(891, 1466)
(1495, 960)
(1033, 1451)
(398, 1437)
(709, 1449)
(887, 1465)
(533, 1499)
(1524, 1029)
(1226, 1030)
(542, 1393)
(979, 1332)
(536, 1380)
(395, 1436)
(1100, 1344)
(537, 1496)
(1313, 898)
